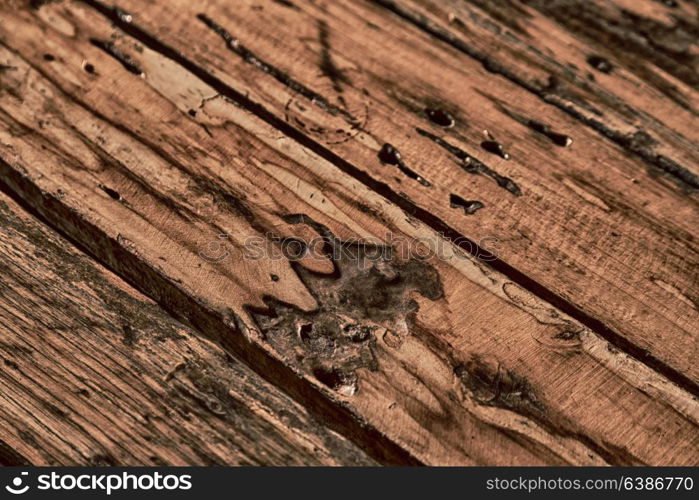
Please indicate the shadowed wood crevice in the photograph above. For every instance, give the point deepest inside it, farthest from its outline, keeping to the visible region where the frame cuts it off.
(10, 458)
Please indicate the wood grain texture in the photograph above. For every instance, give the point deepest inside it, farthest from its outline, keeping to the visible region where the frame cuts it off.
(625, 68)
(94, 373)
(439, 360)
(592, 228)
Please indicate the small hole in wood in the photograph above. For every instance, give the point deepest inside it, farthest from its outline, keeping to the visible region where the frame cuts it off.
(111, 192)
(440, 117)
(344, 383)
(305, 331)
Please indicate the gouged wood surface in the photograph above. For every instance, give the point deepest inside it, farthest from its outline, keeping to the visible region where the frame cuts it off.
(597, 230)
(94, 373)
(460, 365)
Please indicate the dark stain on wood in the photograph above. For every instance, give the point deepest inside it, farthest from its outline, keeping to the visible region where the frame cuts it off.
(508, 13)
(327, 65)
(632, 38)
(493, 385)
(558, 87)
(669, 3)
(368, 293)
(489, 383)
(10, 458)
(130, 337)
(37, 4)
(7, 67)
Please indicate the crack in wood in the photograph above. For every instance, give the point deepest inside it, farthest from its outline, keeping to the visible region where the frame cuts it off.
(282, 77)
(471, 164)
(111, 49)
(286, 3)
(390, 155)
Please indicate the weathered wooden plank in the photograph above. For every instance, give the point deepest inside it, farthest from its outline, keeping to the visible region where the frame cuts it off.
(95, 373)
(440, 360)
(593, 230)
(625, 68)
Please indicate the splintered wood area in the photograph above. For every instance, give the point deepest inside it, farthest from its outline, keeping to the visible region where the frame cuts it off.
(349, 232)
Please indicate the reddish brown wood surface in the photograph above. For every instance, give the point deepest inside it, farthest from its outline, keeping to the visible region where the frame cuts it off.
(95, 373)
(602, 233)
(175, 142)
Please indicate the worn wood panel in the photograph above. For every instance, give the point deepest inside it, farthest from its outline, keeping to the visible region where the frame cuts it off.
(94, 373)
(437, 361)
(626, 68)
(594, 229)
